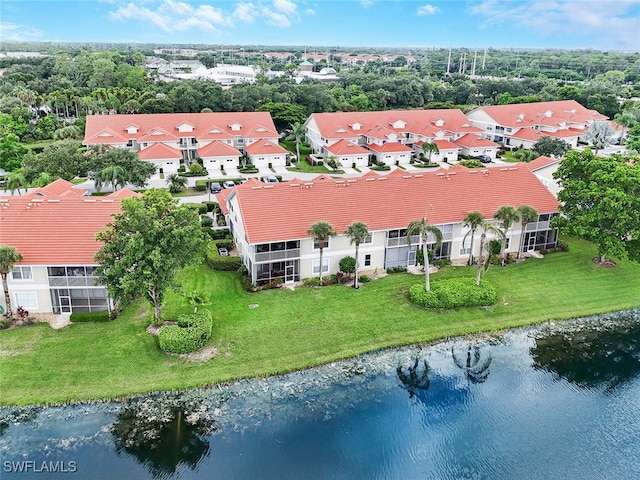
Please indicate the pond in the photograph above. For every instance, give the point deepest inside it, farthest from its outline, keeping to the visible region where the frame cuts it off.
(555, 401)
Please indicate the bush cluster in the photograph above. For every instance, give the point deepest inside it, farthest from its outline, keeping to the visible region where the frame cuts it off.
(90, 317)
(453, 293)
(364, 278)
(396, 270)
(191, 333)
(201, 208)
(212, 206)
(560, 247)
(216, 262)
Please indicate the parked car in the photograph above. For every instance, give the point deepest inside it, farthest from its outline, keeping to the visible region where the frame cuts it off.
(269, 179)
(229, 184)
(223, 252)
(483, 158)
(215, 187)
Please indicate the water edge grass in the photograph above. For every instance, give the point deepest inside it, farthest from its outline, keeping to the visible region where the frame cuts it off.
(291, 330)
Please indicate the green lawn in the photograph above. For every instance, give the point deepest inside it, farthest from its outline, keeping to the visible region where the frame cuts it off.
(295, 329)
(306, 167)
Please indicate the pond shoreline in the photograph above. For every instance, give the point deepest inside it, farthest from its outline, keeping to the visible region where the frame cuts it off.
(480, 337)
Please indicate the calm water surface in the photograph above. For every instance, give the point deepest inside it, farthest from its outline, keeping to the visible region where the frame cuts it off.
(560, 401)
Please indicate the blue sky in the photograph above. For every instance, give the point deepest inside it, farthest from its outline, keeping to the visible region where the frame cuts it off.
(596, 24)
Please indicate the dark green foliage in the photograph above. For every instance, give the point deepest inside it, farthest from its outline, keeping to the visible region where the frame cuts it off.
(550, 146)
(206, 221)
(201, 185)
(216, 262)
(396, 270)
(348, 265)
(219, 234)
(471, 163)
(364, 278)
(89, 317)
(201, 208)
(212, 206)
(191, 333)
(453, 293)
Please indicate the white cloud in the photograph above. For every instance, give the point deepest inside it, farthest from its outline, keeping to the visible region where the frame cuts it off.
(245, 12)
(12, 32)
(427, 10)
(611, 24)
(172, 16)
(276, 19)
(283, 13)
(309, 11)
(285, 6)
(367, 3)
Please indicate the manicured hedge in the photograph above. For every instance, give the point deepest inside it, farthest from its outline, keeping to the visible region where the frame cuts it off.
(216, 262)
(190, 334)
(453, 293)
(200, 207)
(89, 317)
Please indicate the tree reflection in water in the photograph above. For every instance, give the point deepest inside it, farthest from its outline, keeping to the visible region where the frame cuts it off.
(415, 377)
(165, 431)
(589, 356)
(475, 368)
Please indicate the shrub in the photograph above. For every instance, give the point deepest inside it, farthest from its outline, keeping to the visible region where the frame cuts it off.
(219, 234)
(77, 317)
(200, 207)
(212, 206)
(201, 185)
(248, 170)
(471, 163)
(216, 262)
(206, 221)
(196, 168)
(441, 263)
(311, 282)
(364, 278)
(348, 265)
(396, 269)
(453, 293)
(191, 333)
(381, 168)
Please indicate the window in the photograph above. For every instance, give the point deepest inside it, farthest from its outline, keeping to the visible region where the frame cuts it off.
(26, 300)
(21, 273)
(367, 260)
(325, 265)
(369, 238)
(316, 245)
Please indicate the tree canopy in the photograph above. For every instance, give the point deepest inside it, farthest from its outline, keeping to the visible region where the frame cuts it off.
(146, 245)
(600, 201)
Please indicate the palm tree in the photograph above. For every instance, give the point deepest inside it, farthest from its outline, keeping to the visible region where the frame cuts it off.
(298, 132)
(114, 175)
(176, 182)
(527, 215)
(507, 215)
(321, 232)
(484, 227)
(429, 148)
(8, 258)
(357, 233)
(15, 181)
(424, 229)
(473, 221)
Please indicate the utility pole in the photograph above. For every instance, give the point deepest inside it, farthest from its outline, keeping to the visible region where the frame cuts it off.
(473, 68)
(449, 61)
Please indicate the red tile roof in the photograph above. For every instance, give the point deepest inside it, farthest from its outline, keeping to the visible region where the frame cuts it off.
(445, 196)
(471, 140)
(533, 135)
(112, 128)
(445, 145)
(57, 231)
(339, 124)
(218, 149)
(389, 147)
(345, 147)
(159, 150)
(265, 147)
(541, 113)
(59, 187)
(541, 162)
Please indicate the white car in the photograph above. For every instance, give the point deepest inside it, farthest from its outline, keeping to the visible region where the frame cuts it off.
(269, 179)
(229, 184)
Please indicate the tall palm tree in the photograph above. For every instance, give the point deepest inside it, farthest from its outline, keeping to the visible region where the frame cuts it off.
(507, 215)
(176, 182)
(114, 175)
(15, 181)
(321, 232)
(8, 258)
(298, 132)
(472, 220)
(424, 229)
(357, 233)
(527, 215)
(484, 227)
(429, 148)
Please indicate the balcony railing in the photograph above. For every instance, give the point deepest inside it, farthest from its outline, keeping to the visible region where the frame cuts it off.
(276, 256)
